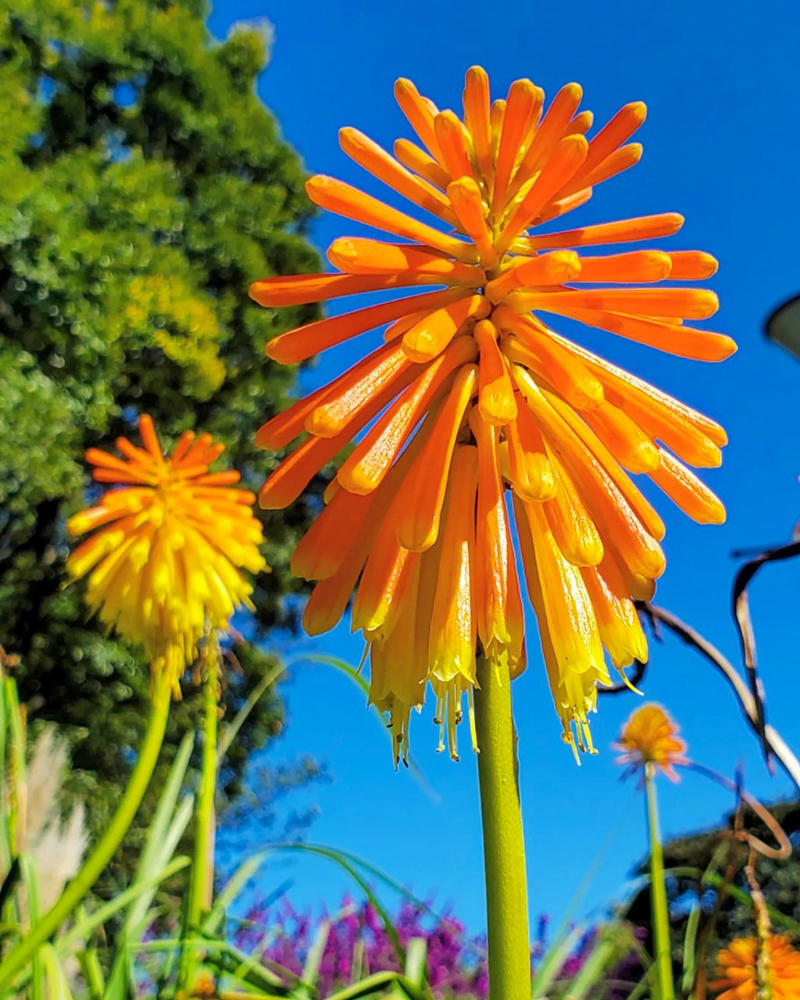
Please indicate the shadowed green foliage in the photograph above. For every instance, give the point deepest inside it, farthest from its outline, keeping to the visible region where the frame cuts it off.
(142, 187)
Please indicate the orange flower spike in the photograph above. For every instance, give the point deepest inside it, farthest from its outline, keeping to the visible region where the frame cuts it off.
(521, 106)
(476, 118)
(166, 553)
(467, 200)
(495, 388)
(377, 161)
(567, 157)
(342, 199)
(424, 489)
(649, 739)
(737, 969)
(557, 423)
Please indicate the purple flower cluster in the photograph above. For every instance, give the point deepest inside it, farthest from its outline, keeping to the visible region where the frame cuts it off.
(358, 945)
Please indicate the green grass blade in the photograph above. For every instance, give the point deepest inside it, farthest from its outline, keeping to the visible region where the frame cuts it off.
(235, 884)
(553, 962)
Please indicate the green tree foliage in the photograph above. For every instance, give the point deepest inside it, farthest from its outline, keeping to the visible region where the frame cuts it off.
(142, 187)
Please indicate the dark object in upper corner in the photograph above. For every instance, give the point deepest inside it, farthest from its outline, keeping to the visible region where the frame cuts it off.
(783, 325)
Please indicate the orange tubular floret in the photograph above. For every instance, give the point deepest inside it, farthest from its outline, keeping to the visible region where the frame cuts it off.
(338, 408)
(683, 341)
(620, 160)
(416, 159)
(494, 554)
(566, 373)
(618, 524)
(618, 130)
(476, 118)
(342, 199)
(626, 441)
(377, 161)
(298, 289)
(428, 338)
(497, 403)
(632, 392)
(530, 471)
(567, 157)
(418, 112)
(386, 576)
(300, 344)
(548, 269)
(521, 106)
(692, 265)
(589, 440)
(574, 531)
(638, 265)
(684, 488)
(360, 256)
(467, 200)
(549, 133)
(452, 142)
(323, 548)
(646, 227)
(683, 303)
(425, 486)
(363, 470)
(579, 125)
(617, 621)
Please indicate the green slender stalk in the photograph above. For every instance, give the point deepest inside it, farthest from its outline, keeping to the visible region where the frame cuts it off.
(658, 895)
(503, 845)
(202, 877)
(19, 956)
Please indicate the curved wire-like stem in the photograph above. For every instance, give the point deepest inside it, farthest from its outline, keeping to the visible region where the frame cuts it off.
(19, 956)
(503, 845)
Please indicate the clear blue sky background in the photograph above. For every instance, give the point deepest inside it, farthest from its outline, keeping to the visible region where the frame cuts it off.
(722, 147)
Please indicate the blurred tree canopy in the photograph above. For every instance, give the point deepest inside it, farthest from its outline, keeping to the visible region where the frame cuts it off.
(142, 187)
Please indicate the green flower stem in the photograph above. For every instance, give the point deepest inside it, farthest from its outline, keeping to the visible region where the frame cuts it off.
(658, 895)
(43, 930)
(503, 845)
(202, 878)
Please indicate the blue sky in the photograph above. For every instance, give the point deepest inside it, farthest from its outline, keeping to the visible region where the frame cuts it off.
(721, 147)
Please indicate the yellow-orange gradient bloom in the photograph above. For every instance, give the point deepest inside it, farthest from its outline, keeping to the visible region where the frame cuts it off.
(471, 395)
(736, 970)
(650, 737)
(167, 546)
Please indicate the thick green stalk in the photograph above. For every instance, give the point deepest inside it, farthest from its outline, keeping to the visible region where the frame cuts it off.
(203, 863)
(43, 930)
(658, 895)
(503, 845)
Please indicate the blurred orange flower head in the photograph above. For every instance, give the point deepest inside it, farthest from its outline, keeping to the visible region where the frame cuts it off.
(737, 970)
(472, 398)
(167, 544)
(650, 738)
